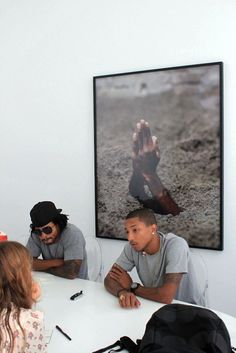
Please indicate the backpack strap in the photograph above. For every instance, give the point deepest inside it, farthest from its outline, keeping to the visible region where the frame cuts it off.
(123, 343)
(117, 344)
(129, 345)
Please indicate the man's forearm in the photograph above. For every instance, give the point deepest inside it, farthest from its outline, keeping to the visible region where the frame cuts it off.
(112, 286)
(126, 298)
(136, 186)
(164, 294)
(160, 294)
(70, 269)
(58, 267)
(43, 265)
(158, 198)
(165, 202)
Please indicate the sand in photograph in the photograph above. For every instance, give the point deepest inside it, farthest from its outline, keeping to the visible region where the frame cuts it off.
(183, 110)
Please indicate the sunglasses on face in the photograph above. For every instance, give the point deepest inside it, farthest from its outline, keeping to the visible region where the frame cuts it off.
(45, 230)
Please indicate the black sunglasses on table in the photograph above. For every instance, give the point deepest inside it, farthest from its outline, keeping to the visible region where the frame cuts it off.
(45, 230)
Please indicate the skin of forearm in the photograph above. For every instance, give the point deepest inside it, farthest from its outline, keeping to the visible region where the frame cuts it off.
(155, 185)
(69, 270)
(162, 195)
(136, 186)
(163, 294)
(58, 267)
(161, 201)
(111, 285)
(42, 265)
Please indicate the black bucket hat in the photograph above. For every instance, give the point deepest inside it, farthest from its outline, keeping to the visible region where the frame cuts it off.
(43, 212)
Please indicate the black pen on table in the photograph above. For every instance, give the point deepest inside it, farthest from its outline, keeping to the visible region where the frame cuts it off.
(59, 329)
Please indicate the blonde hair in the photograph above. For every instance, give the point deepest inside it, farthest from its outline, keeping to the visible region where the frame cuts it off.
(15, 283)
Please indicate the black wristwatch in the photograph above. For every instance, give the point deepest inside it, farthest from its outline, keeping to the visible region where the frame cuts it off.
(134, 286)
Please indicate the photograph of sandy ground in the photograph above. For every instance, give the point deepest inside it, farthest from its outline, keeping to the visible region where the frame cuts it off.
(182, 107)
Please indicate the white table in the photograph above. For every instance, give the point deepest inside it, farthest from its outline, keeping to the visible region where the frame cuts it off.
(95, 320)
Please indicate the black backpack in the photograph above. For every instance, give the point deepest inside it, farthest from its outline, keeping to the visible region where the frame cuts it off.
(179, 328)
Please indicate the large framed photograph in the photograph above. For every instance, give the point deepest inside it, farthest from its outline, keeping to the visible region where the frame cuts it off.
(158, 144)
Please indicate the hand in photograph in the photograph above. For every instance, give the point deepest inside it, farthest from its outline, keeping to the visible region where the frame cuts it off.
(145, 184)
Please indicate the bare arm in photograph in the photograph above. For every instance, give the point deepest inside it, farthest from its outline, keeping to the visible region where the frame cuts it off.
(146, 156)
(58, 267)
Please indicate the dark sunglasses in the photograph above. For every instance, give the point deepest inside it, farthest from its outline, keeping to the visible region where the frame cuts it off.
(45, 230)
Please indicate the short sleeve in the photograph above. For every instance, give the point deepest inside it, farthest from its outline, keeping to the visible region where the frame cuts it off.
(125, 260)
(33, 325)
(74, 245)
(33, 247)
(177, 254)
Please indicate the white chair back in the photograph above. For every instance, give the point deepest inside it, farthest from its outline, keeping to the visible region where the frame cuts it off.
(23, 238)
(201, 272)
(94, 258)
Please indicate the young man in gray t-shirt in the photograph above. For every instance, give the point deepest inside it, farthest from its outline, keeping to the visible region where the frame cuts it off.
(162, 263)
(61, 244)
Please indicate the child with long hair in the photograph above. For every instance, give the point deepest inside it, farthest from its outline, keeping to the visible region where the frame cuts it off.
(21, 329)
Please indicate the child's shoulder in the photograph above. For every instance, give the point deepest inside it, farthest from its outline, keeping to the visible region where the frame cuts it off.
(30, 316)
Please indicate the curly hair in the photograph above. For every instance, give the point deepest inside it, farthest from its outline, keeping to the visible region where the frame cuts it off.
(15, 284)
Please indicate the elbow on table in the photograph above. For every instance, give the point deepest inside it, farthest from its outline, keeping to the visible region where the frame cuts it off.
(165, 299)
(72, 275)
(106, 281)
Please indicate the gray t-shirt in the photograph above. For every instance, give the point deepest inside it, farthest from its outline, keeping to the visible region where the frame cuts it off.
(173, 257)
(69, 246)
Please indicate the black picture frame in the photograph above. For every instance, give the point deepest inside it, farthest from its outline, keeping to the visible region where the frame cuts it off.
(183, 106)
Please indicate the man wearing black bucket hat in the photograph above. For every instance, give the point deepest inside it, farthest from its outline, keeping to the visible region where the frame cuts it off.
(60, 243)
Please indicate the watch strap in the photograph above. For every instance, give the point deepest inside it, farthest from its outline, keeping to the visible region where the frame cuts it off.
(136, 287)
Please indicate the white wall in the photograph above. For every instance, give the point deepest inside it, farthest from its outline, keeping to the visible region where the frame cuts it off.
(49, 52)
